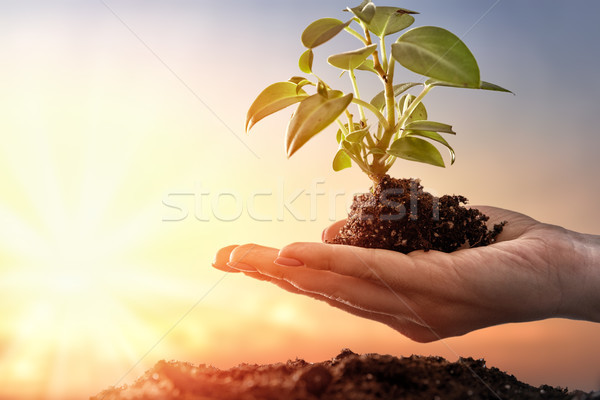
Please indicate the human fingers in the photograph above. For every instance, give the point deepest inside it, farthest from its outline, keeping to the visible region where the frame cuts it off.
(332, 230)
(376, 265)
(349, 290)
(222, 257)
(359, 297)
(253, 258)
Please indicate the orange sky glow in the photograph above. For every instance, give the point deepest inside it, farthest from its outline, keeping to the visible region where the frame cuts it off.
(124, 167)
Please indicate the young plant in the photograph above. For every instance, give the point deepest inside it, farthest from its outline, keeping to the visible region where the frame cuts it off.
(403, 129)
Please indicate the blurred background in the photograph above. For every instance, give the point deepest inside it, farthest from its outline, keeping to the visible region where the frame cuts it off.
(124, 167)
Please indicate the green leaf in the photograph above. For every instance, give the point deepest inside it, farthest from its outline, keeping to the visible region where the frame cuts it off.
(414, 149)
(322, 89)
(418, 114)
(436, 137)
(430, 126)
(379, 100)
(300, 82)
(484, 85)
(341, 160)
(306, 61)
(274, 98)
(490, 86)
(341, 135)
(321, 31)
(439, 54)
(357, 136)
(364, 12)
(351, 59)
(367, 65)
(334, 94)
(389, 20)
(314, 114)
(296, 79)
(351, 148)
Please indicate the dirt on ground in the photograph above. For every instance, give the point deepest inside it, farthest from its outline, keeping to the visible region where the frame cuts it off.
(399, 215)
(348, 376)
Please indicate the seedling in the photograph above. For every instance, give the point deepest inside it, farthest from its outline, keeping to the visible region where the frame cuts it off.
(402, 128)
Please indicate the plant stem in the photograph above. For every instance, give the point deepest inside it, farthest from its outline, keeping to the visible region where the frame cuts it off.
(390, 98)
(350, 121)
(342, 127)
(356, 34)
(380, 165)
(413, 105)
(373, 109)
(376, 64)
(361, 111)
(370, 141)
(384, 62)
(363, 166)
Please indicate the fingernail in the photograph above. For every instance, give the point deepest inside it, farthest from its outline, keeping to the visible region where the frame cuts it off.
(241, 266)
(288, 262)
(323, 236)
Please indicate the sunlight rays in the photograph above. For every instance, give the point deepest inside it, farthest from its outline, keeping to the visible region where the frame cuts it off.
(70, 297)
(76, 306)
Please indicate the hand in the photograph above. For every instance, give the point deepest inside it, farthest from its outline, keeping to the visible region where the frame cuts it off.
(534, 271)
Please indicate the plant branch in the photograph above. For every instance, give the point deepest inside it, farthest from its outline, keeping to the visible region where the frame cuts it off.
(384, 54)
(390, 98)
(342, 127)
(374, 110)
(361, 163)
(413, 106)
(376, 63)
(365, 168)
(370, 141)
(350, 120)
(356, 35)
(357, 94)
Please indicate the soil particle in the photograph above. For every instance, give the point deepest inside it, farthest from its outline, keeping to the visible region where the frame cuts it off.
(348, 376)
(399, 215)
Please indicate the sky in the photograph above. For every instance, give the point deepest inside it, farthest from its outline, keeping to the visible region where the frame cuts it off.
(124, 167)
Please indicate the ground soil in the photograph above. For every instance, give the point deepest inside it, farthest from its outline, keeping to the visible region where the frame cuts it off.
(348, 376)
(399, 215)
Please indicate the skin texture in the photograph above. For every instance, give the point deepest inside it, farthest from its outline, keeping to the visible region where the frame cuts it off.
(534, 271)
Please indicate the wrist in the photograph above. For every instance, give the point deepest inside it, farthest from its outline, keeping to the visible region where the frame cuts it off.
(580, 277)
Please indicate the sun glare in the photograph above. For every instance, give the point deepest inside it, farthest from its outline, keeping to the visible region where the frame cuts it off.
(69, 321)
(74, 302)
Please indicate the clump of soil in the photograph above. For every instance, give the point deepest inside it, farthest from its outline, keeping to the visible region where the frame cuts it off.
(348, 376)
(399, 215)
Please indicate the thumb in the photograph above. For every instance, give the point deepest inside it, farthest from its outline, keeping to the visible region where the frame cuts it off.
(332, 230)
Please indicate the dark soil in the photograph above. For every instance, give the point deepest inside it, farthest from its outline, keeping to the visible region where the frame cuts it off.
(399, 215)
(348, 376)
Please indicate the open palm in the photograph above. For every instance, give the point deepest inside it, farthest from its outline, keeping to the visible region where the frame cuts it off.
(426, 295)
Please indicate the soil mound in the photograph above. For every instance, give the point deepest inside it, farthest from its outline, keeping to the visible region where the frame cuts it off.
(348, 376)
(399, 215)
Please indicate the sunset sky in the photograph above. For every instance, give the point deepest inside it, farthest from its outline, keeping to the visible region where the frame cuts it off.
(124, 167)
